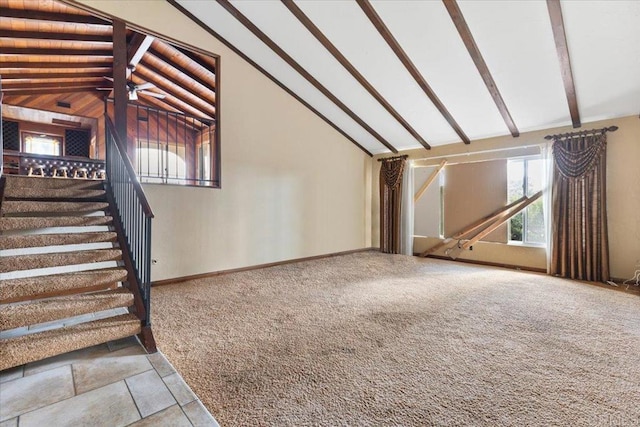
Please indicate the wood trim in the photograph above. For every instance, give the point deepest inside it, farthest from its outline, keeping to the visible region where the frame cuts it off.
(52, 16)
(54, 64)
(8, 85)
(256, 267)
(105, 52)
(47, 91)
(487, 263)
(333, 50)
(384, 31)
(13, 34)
(560, 38)
(120, 96)
(470, 43)
(6, 77)
(246, 22)
(234, 49)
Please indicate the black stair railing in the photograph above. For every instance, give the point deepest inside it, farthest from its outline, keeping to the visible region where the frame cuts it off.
(132, 220)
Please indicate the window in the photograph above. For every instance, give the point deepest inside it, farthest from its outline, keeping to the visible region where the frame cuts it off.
(526, 177)
(42, 144)
(161, 163)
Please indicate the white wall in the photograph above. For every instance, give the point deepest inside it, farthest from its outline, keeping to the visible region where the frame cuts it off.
(292, 186)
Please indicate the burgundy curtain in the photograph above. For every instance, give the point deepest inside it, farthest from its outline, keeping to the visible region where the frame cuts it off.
(390, 204)
(579, 243)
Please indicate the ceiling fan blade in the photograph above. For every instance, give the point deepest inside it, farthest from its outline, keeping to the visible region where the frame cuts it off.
(108, 78)
(104, 88)
(152, 94)
(143, 86)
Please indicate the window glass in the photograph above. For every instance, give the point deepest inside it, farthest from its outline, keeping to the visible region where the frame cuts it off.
(42, 144)
(526, 176)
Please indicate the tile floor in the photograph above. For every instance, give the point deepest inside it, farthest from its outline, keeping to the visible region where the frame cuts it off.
(112, 384)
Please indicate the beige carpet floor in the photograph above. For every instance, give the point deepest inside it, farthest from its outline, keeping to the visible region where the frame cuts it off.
(378, 340)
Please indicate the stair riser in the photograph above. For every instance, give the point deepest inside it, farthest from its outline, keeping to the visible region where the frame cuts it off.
(21, 350)
(16, 316)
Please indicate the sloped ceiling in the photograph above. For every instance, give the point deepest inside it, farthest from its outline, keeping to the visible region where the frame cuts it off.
(514, 38)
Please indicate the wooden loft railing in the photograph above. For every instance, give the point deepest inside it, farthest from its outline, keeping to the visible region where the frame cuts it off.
(132, 219)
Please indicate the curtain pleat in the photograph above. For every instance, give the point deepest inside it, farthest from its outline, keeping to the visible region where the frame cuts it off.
(579, 244)
(391, 173)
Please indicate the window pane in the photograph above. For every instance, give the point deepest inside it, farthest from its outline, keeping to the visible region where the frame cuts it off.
(515, 180)
(535, 178)
(535, 223)
(42, 145)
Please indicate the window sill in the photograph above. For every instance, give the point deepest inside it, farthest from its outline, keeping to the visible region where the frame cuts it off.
(526, 244)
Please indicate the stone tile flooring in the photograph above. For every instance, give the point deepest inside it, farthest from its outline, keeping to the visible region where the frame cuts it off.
(113, 384)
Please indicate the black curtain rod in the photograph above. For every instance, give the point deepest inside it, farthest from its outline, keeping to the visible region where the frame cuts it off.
(393, 158)
(582, 133)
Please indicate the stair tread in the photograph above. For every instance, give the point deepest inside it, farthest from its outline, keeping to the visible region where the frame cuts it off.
(53, 193)
(28, 206)
(17, 181)
(42, 240)
(31, 223)
(41, 286)
(29, 262)
(58, 308)
(29, 348)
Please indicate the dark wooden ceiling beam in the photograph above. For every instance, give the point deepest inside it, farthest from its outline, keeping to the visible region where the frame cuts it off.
(12, 84)
(209, 84)
(41, 35)
(47, 91)
(52, 64)
(304, 73)
(138, 46)
(6, 76)
(476, 56)
(560, 37)
(384, 31)
(51, 16)
(175, 91)
(204, 93)
(268, 75)
(107, 52)
(333, 50)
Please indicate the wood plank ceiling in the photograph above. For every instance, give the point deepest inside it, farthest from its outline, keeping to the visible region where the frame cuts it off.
(51, 52)
(396, 75)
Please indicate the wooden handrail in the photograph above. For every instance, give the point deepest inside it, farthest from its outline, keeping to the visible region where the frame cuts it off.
(146, 208)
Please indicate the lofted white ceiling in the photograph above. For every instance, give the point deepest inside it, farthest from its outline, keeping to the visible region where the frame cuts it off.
(515, 39)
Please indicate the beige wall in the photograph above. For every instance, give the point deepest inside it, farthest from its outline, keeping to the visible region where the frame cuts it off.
(291, 185)
(623, 197)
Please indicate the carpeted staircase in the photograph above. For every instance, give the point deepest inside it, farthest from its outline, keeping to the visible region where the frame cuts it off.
(61, 270)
